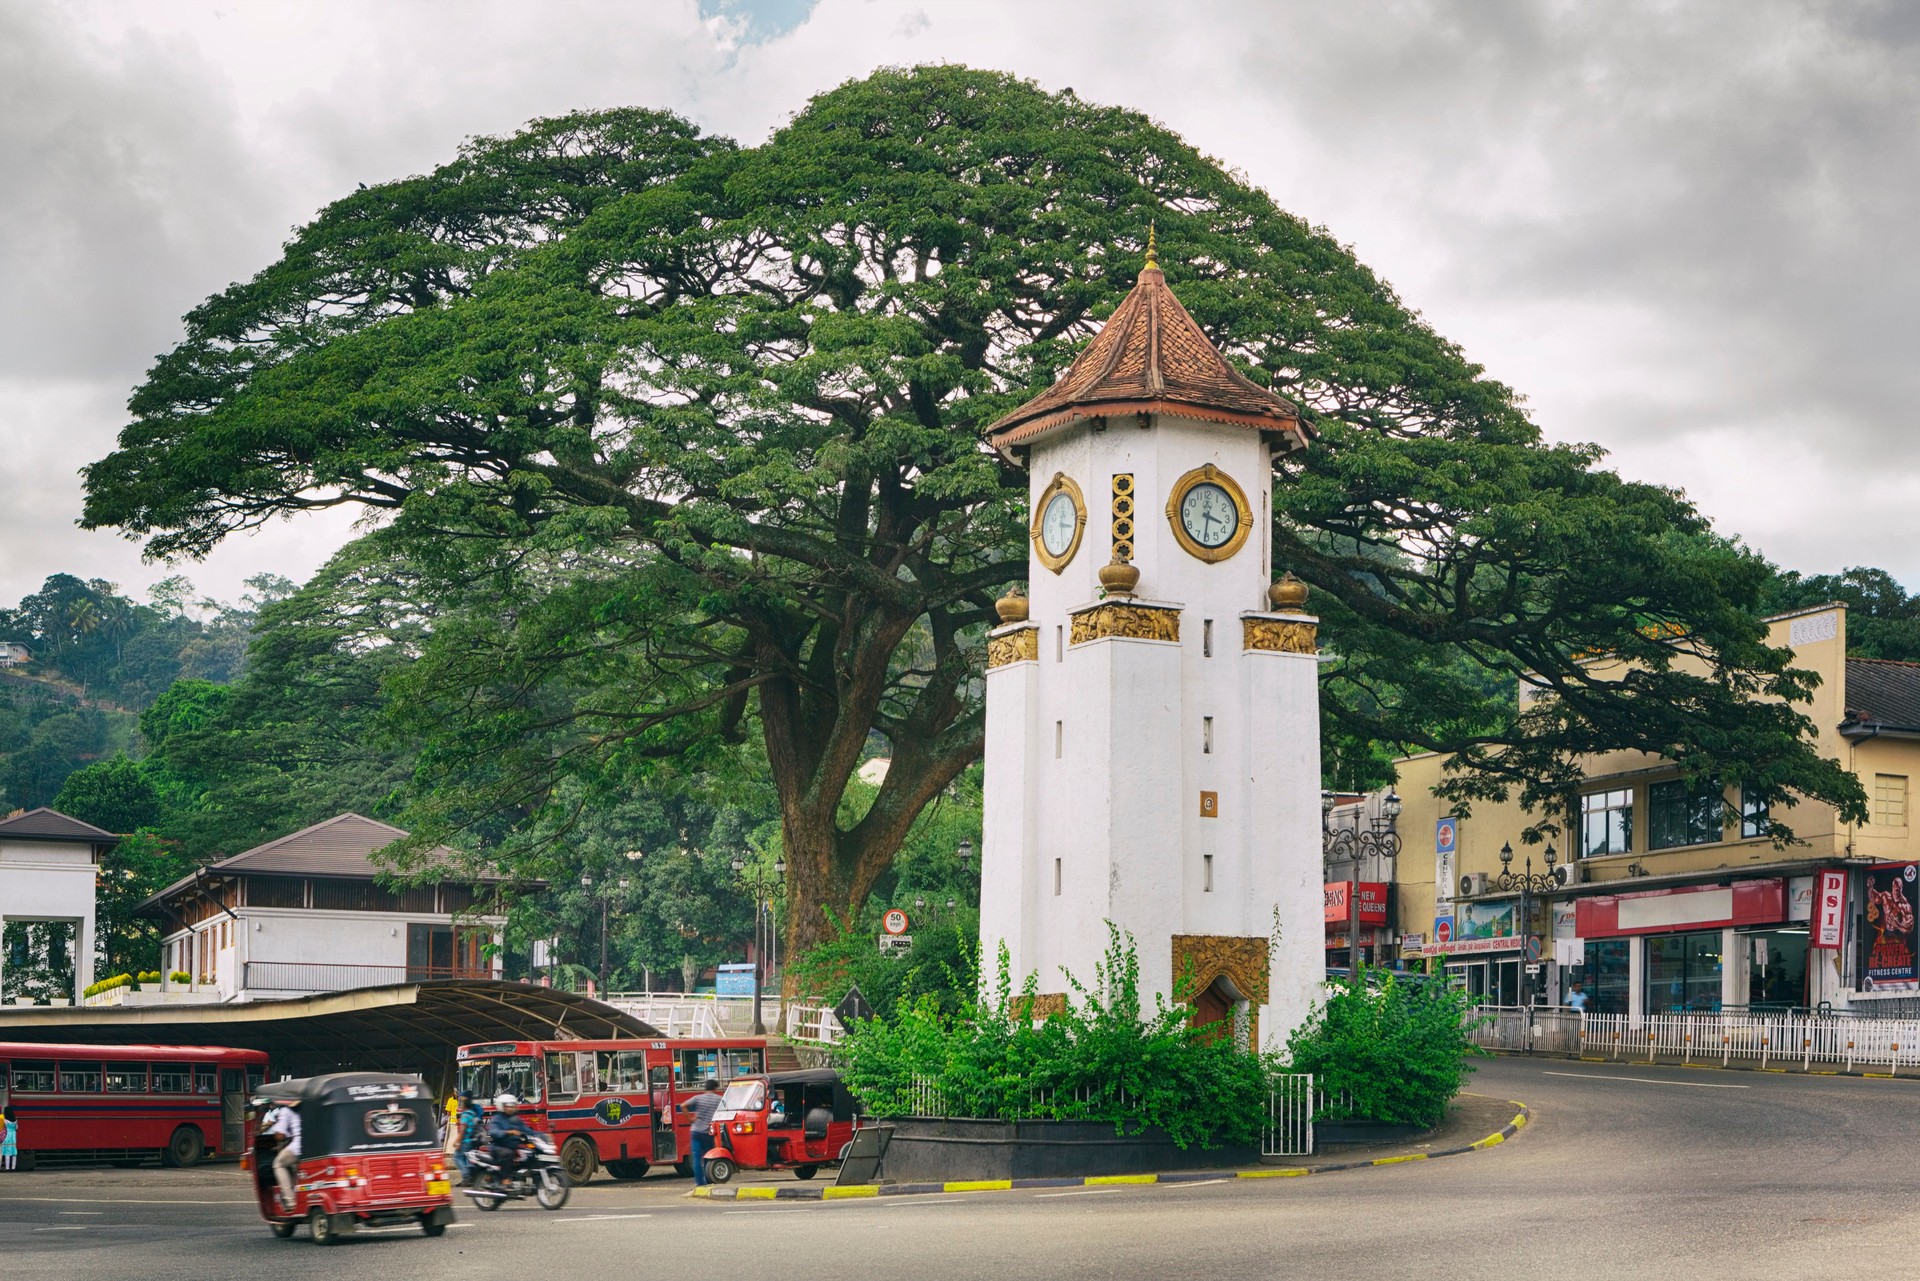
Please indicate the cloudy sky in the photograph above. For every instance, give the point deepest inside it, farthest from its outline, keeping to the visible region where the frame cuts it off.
(1684, 231)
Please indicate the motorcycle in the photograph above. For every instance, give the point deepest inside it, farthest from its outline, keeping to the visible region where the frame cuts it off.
(536, 1174)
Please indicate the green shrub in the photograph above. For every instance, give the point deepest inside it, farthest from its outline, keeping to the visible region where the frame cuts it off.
(107, 985)
(179, 976)
(1395, 1046)
(1100, 1060)
(147, 976)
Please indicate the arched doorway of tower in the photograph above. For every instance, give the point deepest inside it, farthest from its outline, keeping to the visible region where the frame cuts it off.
(1220, 1009)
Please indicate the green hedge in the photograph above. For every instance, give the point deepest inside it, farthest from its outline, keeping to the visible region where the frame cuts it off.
(1395, 1047)
(1103, 1059)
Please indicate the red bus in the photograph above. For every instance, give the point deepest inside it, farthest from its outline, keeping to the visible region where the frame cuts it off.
(125, 1103)
(610, 1103)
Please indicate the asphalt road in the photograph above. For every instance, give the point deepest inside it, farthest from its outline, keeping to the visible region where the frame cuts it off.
(1626, 1171)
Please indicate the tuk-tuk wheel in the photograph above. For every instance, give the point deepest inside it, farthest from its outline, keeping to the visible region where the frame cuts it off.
(321, 1226)
(805, 1171)
(719, 1169)
(432, 1229)
(284, 1229)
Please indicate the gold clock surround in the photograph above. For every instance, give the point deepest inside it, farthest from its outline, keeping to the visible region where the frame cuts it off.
(1209, 474)
(1061, 484)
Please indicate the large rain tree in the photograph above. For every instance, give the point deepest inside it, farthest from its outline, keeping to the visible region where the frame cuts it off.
(688, 434)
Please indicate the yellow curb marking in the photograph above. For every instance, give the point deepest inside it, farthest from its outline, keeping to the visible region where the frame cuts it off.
(840, 1194)
(1270, 1174)
(1097, 1179)
(1492, 1140)
(979, 1185)
(1396, 1160)
(754, 1194)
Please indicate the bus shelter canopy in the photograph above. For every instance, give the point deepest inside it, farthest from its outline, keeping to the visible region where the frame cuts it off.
(411, 1028)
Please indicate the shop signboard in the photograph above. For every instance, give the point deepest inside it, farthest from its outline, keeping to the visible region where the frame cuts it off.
(1446, 843)
(1830, 910)
(1341, 896)
(1893, 941)
(1478, 927)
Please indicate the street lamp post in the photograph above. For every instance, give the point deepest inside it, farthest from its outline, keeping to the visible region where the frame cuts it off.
(1352, 844)
(761, 883)
(1528, 883)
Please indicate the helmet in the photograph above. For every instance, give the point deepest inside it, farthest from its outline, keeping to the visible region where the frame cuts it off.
(507, 1103)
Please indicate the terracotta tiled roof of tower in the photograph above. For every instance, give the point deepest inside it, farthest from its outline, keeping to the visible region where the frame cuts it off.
(1150, 358)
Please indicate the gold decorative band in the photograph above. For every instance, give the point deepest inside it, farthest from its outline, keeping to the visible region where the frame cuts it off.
(1123, 515)
(1021, 645)
(1133, 622)
(1281, 636)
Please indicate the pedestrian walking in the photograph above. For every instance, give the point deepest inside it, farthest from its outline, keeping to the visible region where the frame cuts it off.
(9, 1140)
(700, 1132)
(1577, 1000)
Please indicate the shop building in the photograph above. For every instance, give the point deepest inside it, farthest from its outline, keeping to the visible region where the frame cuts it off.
(1664, 896)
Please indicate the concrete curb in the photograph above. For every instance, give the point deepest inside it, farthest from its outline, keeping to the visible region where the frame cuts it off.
(800, 1192)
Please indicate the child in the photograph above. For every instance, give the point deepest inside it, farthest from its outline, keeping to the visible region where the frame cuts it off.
(9, 1140)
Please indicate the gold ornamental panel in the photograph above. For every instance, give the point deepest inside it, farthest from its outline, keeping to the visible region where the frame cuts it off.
(1044, 1004)
(1280, 635)
(1200, 960)
(1123, 515)
(1132, 622)
(1021, 645)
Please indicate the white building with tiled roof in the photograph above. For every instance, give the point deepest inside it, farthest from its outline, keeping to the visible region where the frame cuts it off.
(48, 863)
(305, 914)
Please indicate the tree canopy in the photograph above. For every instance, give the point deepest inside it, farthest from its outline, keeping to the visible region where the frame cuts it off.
(695, 426)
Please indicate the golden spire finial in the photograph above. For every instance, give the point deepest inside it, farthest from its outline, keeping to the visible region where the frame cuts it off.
(1153, 250)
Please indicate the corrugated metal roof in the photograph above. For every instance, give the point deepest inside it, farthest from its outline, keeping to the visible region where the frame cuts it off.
(1883, 693)
(44, 824)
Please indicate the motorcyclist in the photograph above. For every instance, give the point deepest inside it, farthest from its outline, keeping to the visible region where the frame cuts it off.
(508, 1134)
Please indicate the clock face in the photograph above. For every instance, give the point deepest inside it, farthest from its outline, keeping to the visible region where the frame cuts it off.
(1057, 524)
(1209, 515)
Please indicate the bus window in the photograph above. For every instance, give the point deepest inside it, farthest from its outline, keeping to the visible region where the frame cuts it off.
(33, 1076)
(126, 1078)
(205, 1079)
(79, 1078)
(623, 1072)
(745, 1062)
(489, 1078)
(694, 1068)
(563, 1076)
(172, 1078)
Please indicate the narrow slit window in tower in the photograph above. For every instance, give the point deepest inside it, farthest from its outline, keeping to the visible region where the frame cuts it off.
(1206, 867)
(1056, 877)
(1059, 643)
(1206, 638)
(1206, 735)
(1059, 739)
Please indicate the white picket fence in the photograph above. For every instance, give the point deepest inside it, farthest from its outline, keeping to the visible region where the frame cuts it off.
(1788, 1041)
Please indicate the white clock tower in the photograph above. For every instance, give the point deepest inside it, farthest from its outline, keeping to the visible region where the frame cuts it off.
(1153, 734)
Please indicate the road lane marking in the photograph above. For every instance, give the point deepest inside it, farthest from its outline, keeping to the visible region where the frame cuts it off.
(94, 1213)
(1648, 1080)
(1082, 1192)
(595, 1218)
(76, 1227)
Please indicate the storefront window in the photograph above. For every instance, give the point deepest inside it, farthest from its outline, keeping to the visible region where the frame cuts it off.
(1776, 969)
(1683, 973)
(1604, 976)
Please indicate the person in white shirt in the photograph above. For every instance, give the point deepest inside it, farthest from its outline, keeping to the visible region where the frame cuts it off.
(285, 1122)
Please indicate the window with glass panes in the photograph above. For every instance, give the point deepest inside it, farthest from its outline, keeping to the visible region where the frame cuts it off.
(1606, 822)
(1683, 972)
(1680, 813)
(1889, 800)
(1754, 818)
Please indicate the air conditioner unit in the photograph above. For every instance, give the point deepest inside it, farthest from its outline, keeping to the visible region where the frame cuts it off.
(1473, 885)
(1570, 874)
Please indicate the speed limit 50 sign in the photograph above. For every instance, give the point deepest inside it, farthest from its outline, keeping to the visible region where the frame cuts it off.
(895, 921)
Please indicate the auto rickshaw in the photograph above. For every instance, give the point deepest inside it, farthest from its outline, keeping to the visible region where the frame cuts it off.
(370, 1155)
(795, 1121)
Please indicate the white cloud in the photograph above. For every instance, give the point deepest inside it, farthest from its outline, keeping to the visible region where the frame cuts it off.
(1681, 231)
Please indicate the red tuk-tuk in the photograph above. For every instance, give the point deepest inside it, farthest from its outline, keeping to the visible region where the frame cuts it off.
(370, 1155)
(795, 1121)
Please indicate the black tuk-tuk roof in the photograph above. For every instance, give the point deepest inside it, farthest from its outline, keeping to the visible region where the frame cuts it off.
(344, 1087)
(805, 1076)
